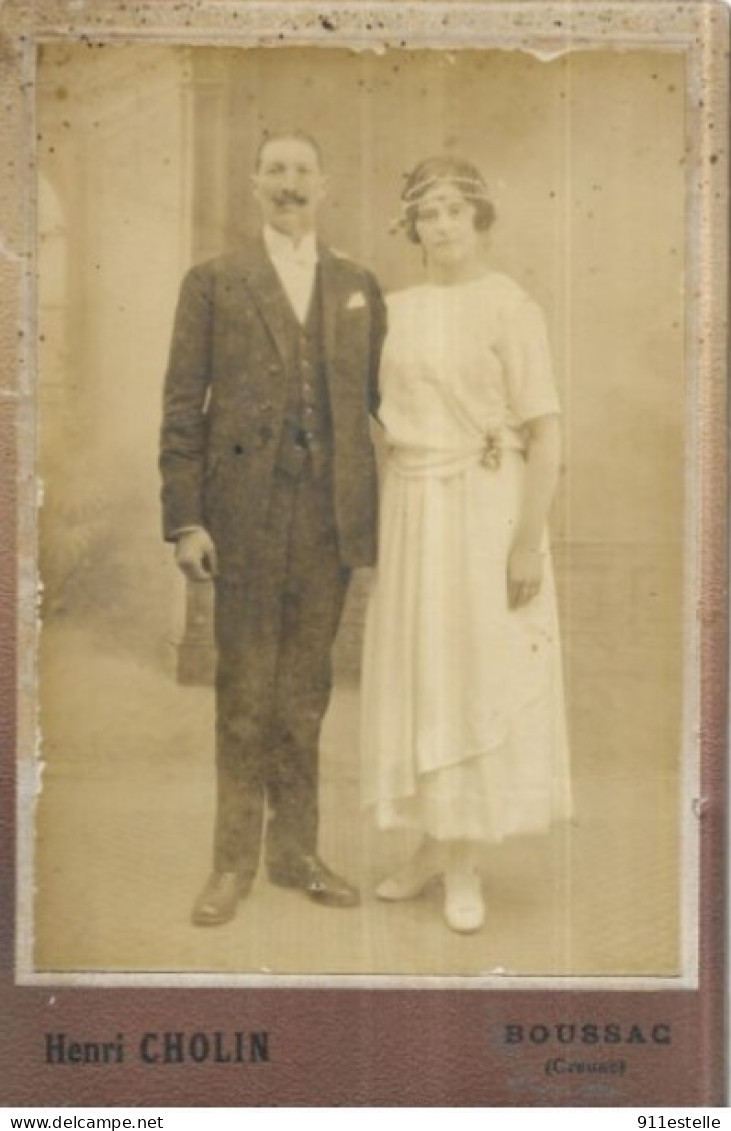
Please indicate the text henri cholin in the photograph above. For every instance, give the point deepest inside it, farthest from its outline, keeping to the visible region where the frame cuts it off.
(217, 1047)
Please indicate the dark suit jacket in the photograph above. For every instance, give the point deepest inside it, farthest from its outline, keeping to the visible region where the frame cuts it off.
(225, 396)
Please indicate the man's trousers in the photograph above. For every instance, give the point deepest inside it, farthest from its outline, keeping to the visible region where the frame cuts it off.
(275, 629)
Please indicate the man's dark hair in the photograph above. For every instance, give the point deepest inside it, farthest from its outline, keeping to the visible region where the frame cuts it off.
(287, 135)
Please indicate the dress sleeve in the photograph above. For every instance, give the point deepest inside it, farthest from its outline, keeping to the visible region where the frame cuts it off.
(526, 357)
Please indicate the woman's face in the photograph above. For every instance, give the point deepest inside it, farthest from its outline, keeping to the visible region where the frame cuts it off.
(445, 224)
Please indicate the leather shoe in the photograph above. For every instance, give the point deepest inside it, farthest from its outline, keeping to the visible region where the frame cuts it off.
(310, 875)
(219, 899)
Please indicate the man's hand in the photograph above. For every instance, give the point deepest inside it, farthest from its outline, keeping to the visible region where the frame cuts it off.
(525, 573)
(196, 555)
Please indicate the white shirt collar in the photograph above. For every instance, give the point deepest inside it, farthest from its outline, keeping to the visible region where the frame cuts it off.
(282, 247)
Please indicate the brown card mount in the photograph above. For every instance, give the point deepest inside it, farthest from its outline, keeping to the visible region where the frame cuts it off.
(130, 133)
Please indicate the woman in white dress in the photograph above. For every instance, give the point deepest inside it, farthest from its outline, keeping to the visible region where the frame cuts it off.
(463, 733)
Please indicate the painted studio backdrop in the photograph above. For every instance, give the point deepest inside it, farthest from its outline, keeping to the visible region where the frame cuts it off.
(144, 162)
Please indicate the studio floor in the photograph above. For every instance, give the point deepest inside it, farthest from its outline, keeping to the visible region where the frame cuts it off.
(123, 830)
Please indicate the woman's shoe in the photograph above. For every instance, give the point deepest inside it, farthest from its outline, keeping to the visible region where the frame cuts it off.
(410, 881)
(464, 906)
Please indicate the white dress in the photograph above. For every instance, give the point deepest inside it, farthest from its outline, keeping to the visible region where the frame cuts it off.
(463, 724)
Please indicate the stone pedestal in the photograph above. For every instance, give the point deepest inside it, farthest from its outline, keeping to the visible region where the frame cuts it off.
(196, 651)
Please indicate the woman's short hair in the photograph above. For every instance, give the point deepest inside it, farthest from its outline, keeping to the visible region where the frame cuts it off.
(463, 175)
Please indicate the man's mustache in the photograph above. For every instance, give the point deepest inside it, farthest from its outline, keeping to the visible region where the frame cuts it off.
(289, 196)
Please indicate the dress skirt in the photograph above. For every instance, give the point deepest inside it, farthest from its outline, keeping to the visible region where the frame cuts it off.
(463, 725)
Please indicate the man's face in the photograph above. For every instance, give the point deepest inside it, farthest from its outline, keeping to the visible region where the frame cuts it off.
(289, 185)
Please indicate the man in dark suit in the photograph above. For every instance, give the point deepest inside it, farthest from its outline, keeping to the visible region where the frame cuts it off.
(269, 488)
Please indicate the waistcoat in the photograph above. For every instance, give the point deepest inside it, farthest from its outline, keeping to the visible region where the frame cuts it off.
(307, 429)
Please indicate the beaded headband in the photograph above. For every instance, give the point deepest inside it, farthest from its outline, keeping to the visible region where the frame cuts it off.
(475, 188)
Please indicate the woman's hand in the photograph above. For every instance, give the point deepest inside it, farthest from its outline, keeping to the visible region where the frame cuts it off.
(525, 561)
(525, 574)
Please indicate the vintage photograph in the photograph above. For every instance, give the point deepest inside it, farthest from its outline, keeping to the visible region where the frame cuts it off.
(366, 526)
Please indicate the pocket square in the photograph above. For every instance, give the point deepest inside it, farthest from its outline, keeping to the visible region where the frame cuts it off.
(356, 301)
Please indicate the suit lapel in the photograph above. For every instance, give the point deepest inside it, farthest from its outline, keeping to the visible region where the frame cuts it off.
(268, 295)
(330, 301)
(266, 291)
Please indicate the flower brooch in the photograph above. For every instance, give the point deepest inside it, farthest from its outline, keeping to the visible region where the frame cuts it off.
(492, 450)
